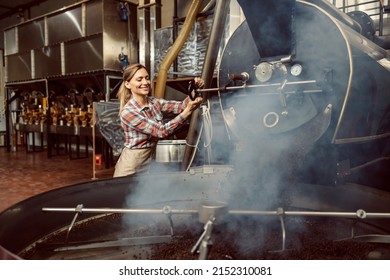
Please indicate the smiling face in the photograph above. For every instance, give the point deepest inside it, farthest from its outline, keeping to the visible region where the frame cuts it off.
(139, 84)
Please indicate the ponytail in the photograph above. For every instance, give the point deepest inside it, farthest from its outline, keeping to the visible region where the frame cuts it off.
(124, 95)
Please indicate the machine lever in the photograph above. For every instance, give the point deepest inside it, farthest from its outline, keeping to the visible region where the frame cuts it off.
(204, 236)
(192, 93)
(78, 210)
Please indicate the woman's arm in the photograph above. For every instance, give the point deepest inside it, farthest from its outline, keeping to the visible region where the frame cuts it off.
(176, 107)
(150, 127)
(171, 106)
(191, 106)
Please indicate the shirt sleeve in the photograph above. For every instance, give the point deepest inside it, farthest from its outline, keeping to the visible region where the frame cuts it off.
(172, 106)
(148, 126)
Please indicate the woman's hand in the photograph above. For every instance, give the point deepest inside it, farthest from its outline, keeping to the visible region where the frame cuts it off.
(192, 106)
(199, 83)
(193, 86)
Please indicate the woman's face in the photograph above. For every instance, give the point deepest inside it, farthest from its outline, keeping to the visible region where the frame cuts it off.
(139, 83)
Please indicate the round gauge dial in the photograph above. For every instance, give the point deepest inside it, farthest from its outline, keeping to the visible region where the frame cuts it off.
(264, 72)
(296, 70)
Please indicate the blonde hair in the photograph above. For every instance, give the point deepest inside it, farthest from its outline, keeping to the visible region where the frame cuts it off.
(124, 94)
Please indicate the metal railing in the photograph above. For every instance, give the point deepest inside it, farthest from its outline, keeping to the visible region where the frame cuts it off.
(379, 11)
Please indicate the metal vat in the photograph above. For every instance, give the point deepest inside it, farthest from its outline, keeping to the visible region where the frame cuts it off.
(170, 150)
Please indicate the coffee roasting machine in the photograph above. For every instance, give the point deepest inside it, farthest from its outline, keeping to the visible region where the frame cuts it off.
(286, 158)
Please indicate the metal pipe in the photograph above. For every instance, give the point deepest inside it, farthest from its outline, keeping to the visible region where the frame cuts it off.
(209, 6)
(380, 27)
(174, 33)
(359, 4)
(182, 74)
(7, 121)
(256, 86)
(211, 56)
(167, 210)
(154, 24)
(48, 120)
(121, 210)
(358, 214)
(175, 49)
(216, 35)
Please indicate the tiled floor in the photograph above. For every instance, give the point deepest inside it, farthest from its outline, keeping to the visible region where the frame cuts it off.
(23, 174)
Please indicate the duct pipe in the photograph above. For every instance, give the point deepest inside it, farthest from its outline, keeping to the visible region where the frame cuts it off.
(209, 7)
(216, 35)
(176, 47)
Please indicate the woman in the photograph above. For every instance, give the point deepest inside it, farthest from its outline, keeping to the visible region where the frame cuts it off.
(141, 119)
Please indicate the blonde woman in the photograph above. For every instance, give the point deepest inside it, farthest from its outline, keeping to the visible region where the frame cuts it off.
(141, 118)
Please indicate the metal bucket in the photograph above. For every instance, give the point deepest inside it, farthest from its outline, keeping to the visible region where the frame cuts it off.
(170, 150)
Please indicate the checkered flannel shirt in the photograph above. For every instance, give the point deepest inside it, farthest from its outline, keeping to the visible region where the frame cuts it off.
(143, 125)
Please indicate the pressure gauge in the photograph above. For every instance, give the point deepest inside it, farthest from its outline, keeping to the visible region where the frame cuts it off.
(296, 70)
(263, 72)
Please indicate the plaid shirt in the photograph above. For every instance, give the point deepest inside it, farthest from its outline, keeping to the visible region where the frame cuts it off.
(143, 125)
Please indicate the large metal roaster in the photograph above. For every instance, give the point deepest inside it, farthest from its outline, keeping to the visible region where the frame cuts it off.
(193, 215)
(302, 91)
(293, 121)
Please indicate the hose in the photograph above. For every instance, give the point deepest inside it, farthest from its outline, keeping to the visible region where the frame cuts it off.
(176, 47)
(207, 129)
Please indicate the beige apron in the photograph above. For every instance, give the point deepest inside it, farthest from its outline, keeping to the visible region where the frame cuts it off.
(133, 161)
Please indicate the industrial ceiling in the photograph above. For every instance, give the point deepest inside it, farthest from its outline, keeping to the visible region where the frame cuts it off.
(11, 7)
